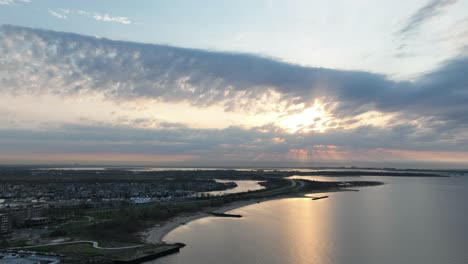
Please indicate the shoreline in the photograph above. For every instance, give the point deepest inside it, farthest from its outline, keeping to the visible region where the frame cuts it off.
(157, 233)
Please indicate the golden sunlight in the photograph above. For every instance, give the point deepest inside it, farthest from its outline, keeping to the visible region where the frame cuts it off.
(310, 119)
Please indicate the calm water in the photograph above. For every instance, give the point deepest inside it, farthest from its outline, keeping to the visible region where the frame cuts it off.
(408, 220)
(242, 186)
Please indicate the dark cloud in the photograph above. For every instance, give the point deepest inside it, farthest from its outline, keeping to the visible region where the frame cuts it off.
(67, 64)
(442, 93)
(218, 143)
(41, 61)
(70, 63)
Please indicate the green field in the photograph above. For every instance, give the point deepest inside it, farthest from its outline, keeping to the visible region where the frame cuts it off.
(79, 251)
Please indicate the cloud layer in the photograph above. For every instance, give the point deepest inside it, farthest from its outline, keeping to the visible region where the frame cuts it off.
(427, 114)
(69, 64)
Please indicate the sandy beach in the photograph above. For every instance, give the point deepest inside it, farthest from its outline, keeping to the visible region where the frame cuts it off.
(156, 234)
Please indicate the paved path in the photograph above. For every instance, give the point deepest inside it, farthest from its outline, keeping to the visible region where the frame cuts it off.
(94, 244)
(301, 184)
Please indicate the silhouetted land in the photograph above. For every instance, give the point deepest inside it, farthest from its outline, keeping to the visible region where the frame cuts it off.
(18, 174)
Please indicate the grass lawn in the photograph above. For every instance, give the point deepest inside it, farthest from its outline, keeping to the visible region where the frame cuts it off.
(86, 251)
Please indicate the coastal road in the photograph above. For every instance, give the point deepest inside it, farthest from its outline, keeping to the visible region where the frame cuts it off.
(301, 183)
(294, 185)
(94, 244)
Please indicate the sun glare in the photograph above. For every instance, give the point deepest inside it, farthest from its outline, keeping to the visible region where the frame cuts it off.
(310, 119)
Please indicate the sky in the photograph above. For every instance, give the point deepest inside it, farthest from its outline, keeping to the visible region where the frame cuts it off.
(234, 83)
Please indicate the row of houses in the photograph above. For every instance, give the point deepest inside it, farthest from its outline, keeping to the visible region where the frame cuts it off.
(5, 223)
(22, 215)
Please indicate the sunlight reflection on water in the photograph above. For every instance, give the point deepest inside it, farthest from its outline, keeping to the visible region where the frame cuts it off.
(408, 220)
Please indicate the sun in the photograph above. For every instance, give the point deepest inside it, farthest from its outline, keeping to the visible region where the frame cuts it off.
(310, 119)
